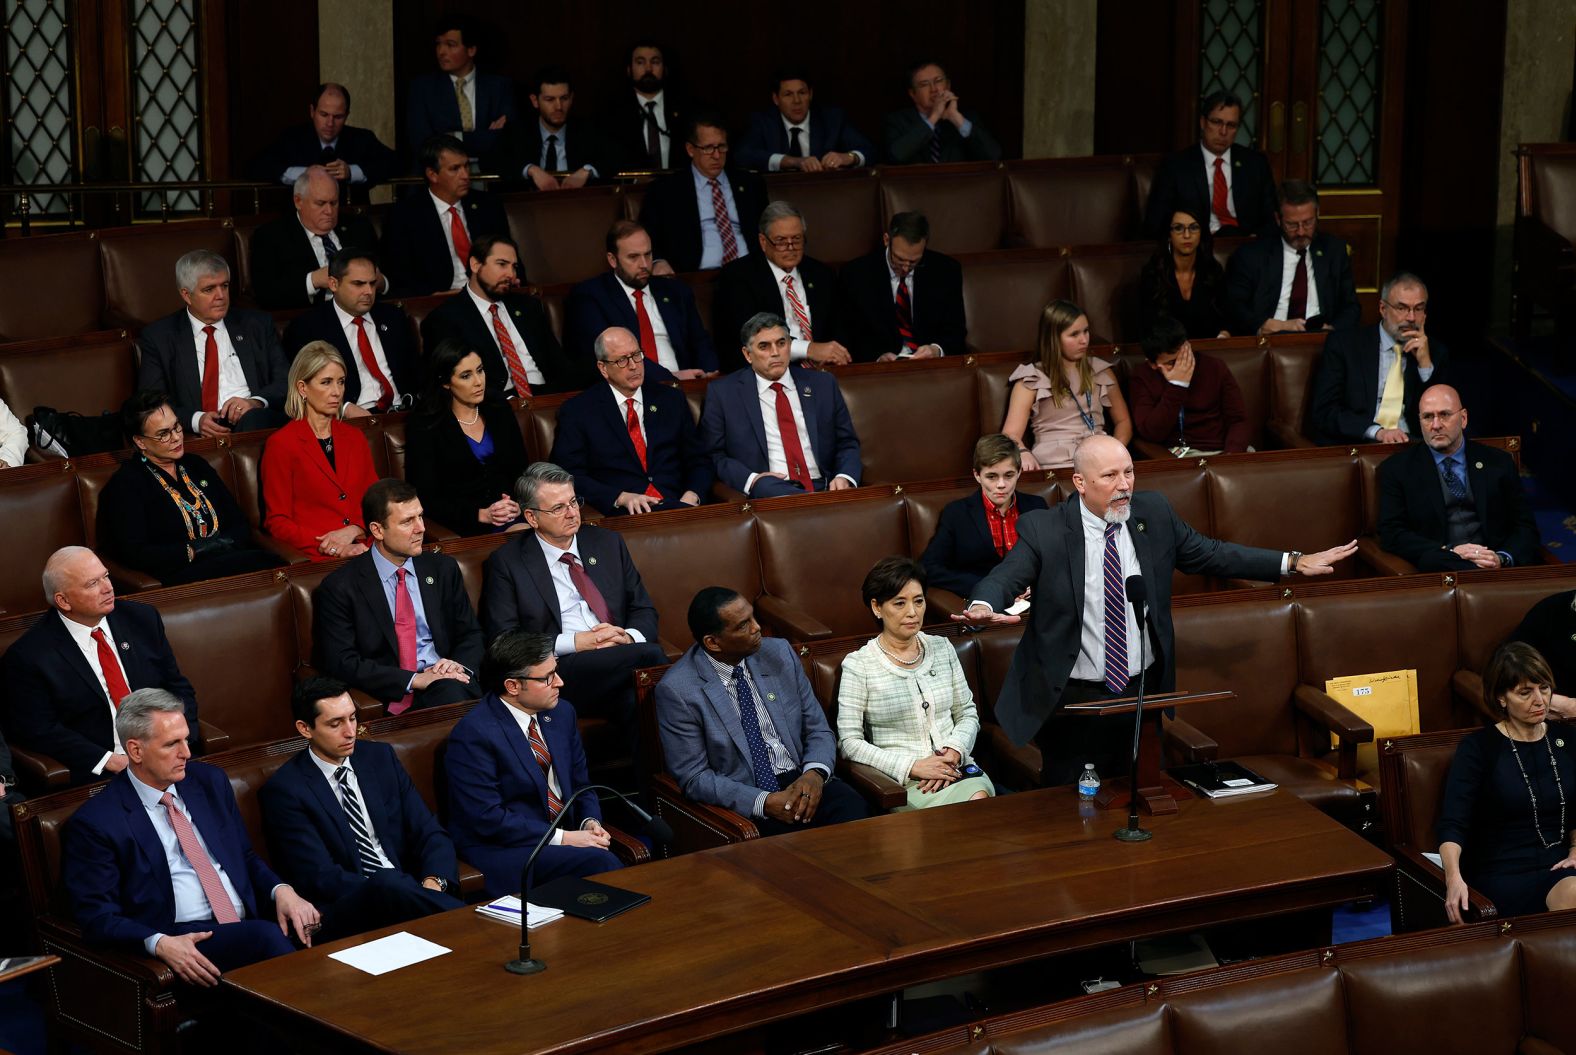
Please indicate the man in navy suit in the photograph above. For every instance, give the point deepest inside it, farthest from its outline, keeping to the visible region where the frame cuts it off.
(507, 327)
(223, 368)
(936, 127)
(434, 104)
(513, 762)
(782, 280)
(905, 300)
(676, 344)
(1295, 283)
(741, 727)
(700, 216)
(428, 235)
(376, 341)
(1218, 178)
(66, 675)
(353, 835)
(635, 448)
(356, 612)
(160, 862)
(547, 153)
(351, 155)
(799, 136)
(755, 422)
(290, 255)
(975, 533)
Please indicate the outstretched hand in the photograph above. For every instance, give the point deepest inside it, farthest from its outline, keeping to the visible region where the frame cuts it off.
(1323, 562)
(979, 613)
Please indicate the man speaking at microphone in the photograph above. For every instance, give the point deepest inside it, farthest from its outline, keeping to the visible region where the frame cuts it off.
(1082, 642)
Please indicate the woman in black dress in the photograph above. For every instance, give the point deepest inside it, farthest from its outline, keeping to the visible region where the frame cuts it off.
(463, 452)
(1506, 825)
(1550, 627)
(1184, 280)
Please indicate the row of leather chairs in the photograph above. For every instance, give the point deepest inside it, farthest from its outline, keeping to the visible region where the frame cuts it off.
(64, 284)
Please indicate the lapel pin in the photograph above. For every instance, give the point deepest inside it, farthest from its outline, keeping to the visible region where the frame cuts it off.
(772, 696)
(547, 717)
(204, 483)
(651, 409)
(1477, 465)
(1559, 742)
(239, 336)
(125, 646)
(666, 301)
(807, 390)
(1141, 526)
(382, 328)
(429, 580)
(517, 313)
(592, 562)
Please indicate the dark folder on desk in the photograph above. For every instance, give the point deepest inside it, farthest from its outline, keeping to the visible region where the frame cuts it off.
(581, 897)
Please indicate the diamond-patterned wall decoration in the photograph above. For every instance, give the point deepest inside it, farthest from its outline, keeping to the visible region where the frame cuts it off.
(1231, 56)
(39, 103)
(165, 84)
(1350, 47)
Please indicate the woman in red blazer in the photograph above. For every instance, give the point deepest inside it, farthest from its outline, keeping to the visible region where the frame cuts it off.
(316, 468)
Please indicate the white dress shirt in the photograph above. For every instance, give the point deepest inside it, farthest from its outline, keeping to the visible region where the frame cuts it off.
(574, 615)
(330, 771)
(524, 719)
(371, 391)
(232, 379)
(798, 343)
(908, 282)
(775, 162)
(1091, 645)
(533, 373)
(1289, 274)
(621, 401)
(13, 437)
(1387, 346)
(776, 458)
(320, 251)
(82, 637)
(293, 173)
(659, 327)
(461, 268)
(1209, 186)
(665, 140)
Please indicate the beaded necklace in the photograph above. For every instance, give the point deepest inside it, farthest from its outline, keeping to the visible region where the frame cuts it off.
(197, 512)
(1559, 833)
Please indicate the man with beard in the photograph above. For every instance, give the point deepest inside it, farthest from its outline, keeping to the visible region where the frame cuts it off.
(547, 153)
(1369, 380)
(1301, 281)
(646, 126)
(660, 310)
(1082, 642)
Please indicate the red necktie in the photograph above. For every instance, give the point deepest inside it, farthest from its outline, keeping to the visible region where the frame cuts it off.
(404, 636)
(202, 864)
(364, 346)
(511, 358)
(1297, 302)
(462, 241)
(1219, 205)
(114, 680)
(798, 472)
(905, 316)
(799, 313)
(648, 336)
(719, 211)
(545, 760)
(586, 588)
(632, 421)
(210, 372)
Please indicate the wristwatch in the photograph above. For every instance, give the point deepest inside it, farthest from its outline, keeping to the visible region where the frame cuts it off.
(443, 884)
(1291, 562)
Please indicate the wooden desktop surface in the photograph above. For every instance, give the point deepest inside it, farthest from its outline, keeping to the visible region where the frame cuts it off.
(744, 935)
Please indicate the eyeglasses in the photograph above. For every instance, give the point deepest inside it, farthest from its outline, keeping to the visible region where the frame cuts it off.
(1407, 309)
(166, 435)
(796, 242)
(1443, 416)
(711, 150)
(1222, 125)
(561, 508)
(1301, 225)
(1185, 228)
(623, 362)
(546, 679)
(934, 82)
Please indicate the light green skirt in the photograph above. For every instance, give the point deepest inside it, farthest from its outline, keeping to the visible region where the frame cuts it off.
(957, 791)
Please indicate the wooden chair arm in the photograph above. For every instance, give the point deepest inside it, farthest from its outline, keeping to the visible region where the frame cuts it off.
(128, 580)
(1149, 449)
(697, 825)
(1369, 552)
(472, 882)
(628, 849)
(213, 738)
(1188, 743)
(1320, 711)
(723, 493)
(881, 791)
(1286, 436)
(672, 651)
(38, 772)
(790, 621)
(1430, 878)
(283, 550)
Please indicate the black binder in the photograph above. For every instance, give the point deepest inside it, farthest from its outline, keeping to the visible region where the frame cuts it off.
(581, 897)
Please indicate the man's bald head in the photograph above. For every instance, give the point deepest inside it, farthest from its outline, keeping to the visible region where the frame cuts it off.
(1443, 418)
(1103, 474)
(317, 200)
(77, 585)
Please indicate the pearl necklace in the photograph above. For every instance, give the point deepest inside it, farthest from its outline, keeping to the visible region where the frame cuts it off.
(1559, 834)
(474, 417)
(899, 660)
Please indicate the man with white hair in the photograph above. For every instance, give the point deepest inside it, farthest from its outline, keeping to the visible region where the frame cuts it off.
(1109, 533)
(290, 255)
(65, 678)
(223, 368)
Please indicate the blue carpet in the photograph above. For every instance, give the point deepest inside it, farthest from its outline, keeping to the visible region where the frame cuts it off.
(1356, 924)
(21, 1020)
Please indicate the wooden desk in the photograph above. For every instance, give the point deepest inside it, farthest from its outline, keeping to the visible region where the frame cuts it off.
(745, 935)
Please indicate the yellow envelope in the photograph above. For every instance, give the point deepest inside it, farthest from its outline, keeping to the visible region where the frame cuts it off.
(1387, 701)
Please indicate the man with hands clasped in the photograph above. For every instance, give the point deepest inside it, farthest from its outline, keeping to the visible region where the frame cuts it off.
(936, 127)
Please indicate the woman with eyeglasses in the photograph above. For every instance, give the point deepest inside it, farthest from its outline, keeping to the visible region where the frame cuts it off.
(1184, 280)
(463, 451)
(168, 513)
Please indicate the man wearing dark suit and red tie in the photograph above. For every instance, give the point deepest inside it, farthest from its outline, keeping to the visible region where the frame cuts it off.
(376, 341)
(579, 584)
(222, 367)
(428, 235)
(513, 763)
(700, 216)
(348, 828)
(1283, 284)
(797, 135)
(350, 155)
(505, 326)
(290, 255)
(782, 280)
(632, 447)
(395, 622)
(976, 533)
(65, 677)
(457, 99)
(660, 309)
(773, 431)
(903, 301)
(160, 862)
(1218, 178)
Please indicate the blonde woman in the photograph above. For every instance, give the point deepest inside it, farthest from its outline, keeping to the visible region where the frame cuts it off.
(1065, 396)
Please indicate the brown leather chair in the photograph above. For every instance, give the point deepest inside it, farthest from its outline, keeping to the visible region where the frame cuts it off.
(552, 298)
(1489, 607)
(1071, 201)
(416, 308)
(965, 203)
(139, 266)
(50, 286)
(920, 430)
(1293, 360)
(704, 285)
(1143, 170)
(1187, 486)
(561, 234)
(1004, 293)
(634, 197)
(539, 423)
(1267, 501)
(89, 374)
(1105, 285)
(680, 552)
(991, 388)
(841, 211)
(245, 227)
(45, 514)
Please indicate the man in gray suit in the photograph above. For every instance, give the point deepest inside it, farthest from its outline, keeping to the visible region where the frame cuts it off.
(741, 727)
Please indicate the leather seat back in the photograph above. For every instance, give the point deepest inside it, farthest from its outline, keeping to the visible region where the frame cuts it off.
(45, 515)
(246, 456)
(703, 284)
(1489, 610)
(472, 559)
(245, 227)
(392, 442)
(417, 308)
(1300, 1013)
(1105, 285)
(1140, 1030)
(539, 425)
(50, 286)
(1267, 503)
(1087, 201)
(302, 586)
(562, 235)
(420, 746)
(965, 204)
(1548, 963)
(843, 212)
(552, 298)
(248, 773)
(1186, 486)
(1292, 366)
(1246, 648)
(87, 376)
(995, 658)
(139, 266)
(1412, 802)
(1004, 293)
(913, 425)
(923, 507)
(1471, 1000)
(679, 553)
(991, 388)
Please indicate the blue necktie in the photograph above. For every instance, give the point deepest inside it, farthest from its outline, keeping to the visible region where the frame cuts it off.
(760, 757)
(1453, 483)
(330, 247)
(1115, 615)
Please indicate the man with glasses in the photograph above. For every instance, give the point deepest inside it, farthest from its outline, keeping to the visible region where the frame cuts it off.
(631, 446)
(579, 584)
(936, 127)
(1227, 181)
(1299, 282)
(698, 215)
(512, 764)
(1449, 504)
(1369, 380)
(782, 280)
(905, 300)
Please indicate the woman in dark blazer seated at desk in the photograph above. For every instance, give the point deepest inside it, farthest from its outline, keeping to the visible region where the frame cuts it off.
(1184, 280)
(166, 512)
(975, 533)
(1509, 814)
(316, 468)
(463, 452)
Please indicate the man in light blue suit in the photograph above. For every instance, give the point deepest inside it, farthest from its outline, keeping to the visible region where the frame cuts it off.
(741, 727)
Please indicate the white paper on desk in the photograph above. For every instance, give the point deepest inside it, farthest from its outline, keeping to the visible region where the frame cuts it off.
(507, 909)
(1439, 861)
(389, 954)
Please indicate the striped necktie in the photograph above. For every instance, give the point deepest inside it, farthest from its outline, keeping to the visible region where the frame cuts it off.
(360, 826)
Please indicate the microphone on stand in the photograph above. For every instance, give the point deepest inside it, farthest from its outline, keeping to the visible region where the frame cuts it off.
(656, 827)
(1138, 597)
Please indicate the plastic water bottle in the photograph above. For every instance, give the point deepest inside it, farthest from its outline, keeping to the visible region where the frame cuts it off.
(1088, 783)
